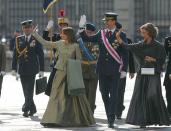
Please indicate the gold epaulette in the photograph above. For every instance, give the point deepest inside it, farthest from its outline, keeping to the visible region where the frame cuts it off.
(20, 36)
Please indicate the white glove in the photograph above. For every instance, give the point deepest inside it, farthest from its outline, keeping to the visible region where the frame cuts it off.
(35, 29)
(2, 73)
(161, 74)
(123, 74)
(82, 21)
(13, 72)
(41, 74)
(17, 76)
(80, 31)
(50, 24)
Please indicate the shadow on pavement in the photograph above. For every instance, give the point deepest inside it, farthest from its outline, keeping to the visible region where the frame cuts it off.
(78, 128)
(143, 129)
(10, 114)
(1, 122)
(35, 118)
(101, 121)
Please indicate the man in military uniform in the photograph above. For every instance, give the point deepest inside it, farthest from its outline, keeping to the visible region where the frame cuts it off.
(167, 79)
(47, 35)
(2, 64)
(29, 56)
(110, 63)
(90, 53)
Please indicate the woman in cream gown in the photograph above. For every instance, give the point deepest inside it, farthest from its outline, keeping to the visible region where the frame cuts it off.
(63, 109)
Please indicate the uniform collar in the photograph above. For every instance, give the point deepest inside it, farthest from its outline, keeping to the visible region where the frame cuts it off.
(113, 30)
(29, 36)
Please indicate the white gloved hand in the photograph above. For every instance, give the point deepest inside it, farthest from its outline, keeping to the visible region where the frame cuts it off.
(82, 21)
(17, 76)
(161, 74)
(50, 24)
(123, 74)
(13, 72)
(41, 74)
(80, 31)
(35, 29)
(2, 73)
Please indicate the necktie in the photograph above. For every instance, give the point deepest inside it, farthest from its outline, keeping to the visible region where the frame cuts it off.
(110, 33)
(26, 39)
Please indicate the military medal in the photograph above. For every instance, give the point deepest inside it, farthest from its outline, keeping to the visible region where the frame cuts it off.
(115, 44)
(169, 43)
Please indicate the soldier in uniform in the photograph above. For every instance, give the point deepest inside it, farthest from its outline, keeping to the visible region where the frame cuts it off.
(47, 35)
(2, 64)
(110, 62)
(167, 79)
(90, 53)
(29, 56)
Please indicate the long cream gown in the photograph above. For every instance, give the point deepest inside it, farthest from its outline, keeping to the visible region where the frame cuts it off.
(63, 109)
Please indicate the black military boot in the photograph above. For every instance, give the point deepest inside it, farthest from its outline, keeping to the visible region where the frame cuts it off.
(31, 113)
(25, 114)
(111, 124)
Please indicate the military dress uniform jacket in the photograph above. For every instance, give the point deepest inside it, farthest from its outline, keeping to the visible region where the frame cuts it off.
(88, 67)
(167, 46)
(31, 61)
(2, 57)
(106, 64)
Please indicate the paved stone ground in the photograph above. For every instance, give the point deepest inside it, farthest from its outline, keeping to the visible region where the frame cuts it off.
(11, 118)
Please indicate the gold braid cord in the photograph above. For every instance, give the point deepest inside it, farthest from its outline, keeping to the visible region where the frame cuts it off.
(23, 52)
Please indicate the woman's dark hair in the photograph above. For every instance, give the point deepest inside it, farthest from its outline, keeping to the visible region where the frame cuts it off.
(69, 32)
(151, 29)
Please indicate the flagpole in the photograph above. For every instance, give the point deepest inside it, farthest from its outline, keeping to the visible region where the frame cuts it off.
(51, 34)
(46, 5)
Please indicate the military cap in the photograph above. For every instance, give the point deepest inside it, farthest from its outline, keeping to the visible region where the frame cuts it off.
(27, 23)
(90, 27)
(110, 16)
(63, 20)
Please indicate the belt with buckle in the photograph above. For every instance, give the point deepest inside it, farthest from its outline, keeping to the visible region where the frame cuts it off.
(89, 62)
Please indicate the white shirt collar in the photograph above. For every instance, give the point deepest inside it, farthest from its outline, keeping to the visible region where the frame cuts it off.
(29, 36)
(113, 30)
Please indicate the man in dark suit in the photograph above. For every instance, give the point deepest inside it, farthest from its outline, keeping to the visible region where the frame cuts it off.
(28, 55)
(122, 84)
(167, 79)
(48, 35)
(110, 62)
(2, 64)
